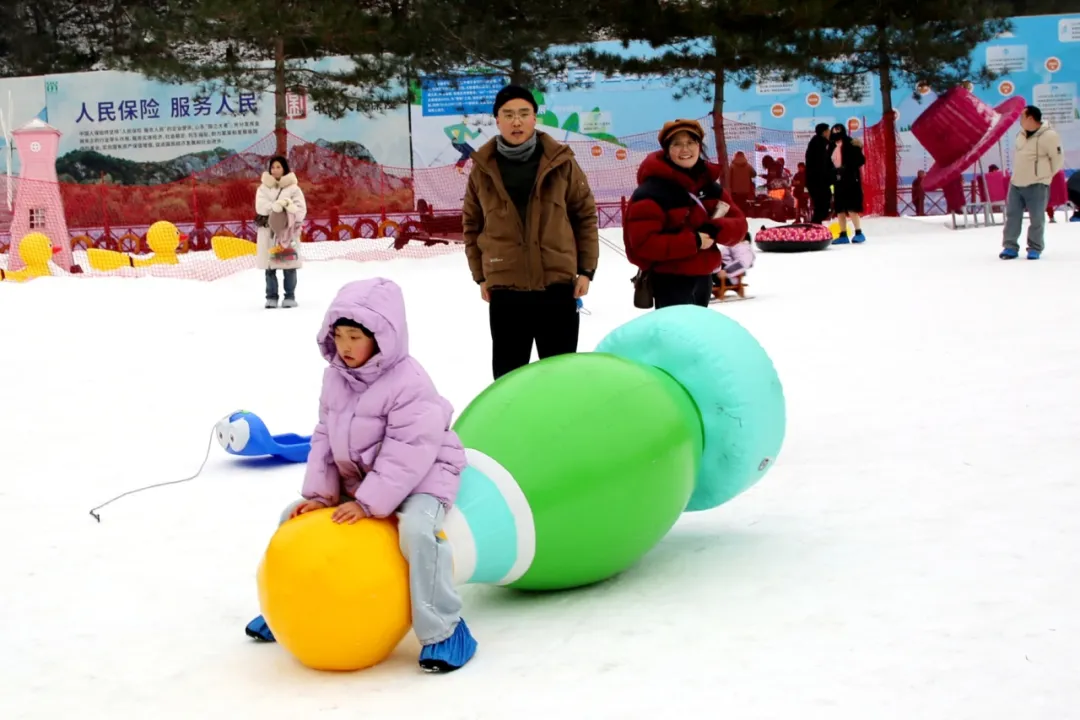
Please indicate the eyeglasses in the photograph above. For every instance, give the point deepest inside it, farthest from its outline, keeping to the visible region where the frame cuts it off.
(509, 115)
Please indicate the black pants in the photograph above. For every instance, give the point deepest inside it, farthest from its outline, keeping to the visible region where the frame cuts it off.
(681, 289)
(519, 317)
(820, 201)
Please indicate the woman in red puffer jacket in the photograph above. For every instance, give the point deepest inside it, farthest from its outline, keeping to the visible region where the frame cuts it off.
(678, 215)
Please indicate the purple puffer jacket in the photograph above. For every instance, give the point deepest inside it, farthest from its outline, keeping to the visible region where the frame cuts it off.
(384, 431)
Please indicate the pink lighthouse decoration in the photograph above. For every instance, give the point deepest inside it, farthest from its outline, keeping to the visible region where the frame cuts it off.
(38, 207)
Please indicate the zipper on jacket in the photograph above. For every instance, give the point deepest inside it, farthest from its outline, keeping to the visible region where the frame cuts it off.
(540, 176)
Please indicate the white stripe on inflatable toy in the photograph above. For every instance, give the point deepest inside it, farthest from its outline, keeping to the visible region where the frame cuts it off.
(519, 508)
(456, 528)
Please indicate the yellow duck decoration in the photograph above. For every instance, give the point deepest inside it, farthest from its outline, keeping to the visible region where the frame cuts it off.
(163, 238)
(35, 250)
(227, 247)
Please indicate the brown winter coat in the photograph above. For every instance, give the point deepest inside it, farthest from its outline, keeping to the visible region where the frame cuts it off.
(560, 240)
(742, 176)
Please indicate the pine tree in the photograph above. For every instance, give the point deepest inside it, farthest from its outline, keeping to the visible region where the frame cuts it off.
(56, 36)
(910, 44)
(259, 46)
(705, 44)
(519, 40)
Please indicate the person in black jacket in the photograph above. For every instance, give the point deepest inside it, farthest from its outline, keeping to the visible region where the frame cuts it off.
(819, 174)
(1074, 195)
(846, 156)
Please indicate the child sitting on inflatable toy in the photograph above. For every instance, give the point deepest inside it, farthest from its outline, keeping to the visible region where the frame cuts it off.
(383, 444)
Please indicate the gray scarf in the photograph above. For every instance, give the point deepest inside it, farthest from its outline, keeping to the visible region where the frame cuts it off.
(517, 153)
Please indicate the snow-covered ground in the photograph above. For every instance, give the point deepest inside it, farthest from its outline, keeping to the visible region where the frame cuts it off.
(915, 552)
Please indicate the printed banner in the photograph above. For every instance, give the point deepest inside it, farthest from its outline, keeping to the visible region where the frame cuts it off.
(157, 131)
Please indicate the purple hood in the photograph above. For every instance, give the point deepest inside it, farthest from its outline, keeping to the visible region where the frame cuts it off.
(379, 305)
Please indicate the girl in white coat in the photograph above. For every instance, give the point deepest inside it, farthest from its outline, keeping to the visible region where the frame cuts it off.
(281, 209)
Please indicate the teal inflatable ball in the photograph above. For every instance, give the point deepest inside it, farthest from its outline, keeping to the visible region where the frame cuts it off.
(732, 381)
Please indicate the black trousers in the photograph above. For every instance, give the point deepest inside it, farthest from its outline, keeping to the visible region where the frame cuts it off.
(820, 202)
(681, 289)
(520, 317)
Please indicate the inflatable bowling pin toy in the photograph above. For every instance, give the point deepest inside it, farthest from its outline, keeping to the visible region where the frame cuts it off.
(578, 465)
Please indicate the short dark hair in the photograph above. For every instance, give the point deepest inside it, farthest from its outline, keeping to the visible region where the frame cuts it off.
(821, 127)
(279, 159)
(1034, 113)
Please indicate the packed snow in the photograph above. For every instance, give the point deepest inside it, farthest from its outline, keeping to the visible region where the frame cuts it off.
(914, 552)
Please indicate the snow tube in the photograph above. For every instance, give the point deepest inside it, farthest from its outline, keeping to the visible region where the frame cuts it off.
(798, 237)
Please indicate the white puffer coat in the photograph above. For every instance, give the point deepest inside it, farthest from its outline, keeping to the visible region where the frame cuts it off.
(284, 194)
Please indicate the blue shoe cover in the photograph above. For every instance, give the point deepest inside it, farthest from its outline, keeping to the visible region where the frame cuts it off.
(259, 630)
(451, 653)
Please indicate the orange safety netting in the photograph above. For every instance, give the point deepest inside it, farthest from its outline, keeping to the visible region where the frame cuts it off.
(876, 152)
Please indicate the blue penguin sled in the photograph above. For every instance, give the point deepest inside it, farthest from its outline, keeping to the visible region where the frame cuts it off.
(244, 433)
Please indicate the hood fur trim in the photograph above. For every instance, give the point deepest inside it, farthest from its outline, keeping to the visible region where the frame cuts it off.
(286, 180)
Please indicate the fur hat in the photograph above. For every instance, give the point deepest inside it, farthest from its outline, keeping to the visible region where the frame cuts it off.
(674, 126)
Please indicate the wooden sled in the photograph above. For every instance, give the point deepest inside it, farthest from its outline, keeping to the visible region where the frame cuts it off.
(726, 285)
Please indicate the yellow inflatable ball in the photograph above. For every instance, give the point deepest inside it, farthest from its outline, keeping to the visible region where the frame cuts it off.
(834, 228)
(335, 596)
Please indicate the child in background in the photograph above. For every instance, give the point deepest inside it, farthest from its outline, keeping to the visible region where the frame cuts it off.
(383, 444)
(737, 259)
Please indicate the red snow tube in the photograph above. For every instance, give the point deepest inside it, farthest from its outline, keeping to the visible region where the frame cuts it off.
(799, 237)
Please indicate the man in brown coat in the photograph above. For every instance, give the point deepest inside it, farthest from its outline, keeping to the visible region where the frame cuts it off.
(530, 235)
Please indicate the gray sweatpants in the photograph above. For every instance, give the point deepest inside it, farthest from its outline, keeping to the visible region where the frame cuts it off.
(1032, 198)
(436, 605)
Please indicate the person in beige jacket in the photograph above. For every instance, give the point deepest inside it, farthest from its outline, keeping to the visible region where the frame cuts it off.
(1038, 158)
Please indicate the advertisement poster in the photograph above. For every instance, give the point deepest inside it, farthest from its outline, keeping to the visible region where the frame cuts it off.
(146, 132)
(1041, 59)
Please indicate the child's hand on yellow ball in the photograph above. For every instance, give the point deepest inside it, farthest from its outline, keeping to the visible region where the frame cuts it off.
(306, 506)
(349, 512)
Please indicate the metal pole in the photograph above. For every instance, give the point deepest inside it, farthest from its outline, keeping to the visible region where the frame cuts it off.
(986, 192)
(7, 149)
(10, 141)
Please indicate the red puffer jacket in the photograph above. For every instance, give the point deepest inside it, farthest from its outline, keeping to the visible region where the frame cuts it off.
(668, 210)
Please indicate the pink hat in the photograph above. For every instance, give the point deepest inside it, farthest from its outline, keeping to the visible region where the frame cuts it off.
(958, 128)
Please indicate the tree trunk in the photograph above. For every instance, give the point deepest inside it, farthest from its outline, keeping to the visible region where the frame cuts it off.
(518, 76)
(892, 161)
(281, 111)
(719, 80)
